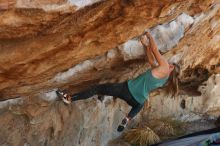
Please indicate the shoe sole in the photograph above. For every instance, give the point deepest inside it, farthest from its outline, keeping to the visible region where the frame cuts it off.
(62, 97)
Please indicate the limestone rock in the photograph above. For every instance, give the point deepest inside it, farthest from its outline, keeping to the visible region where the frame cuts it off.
(73, 44)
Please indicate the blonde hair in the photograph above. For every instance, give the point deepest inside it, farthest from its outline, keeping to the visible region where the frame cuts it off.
(172, 86)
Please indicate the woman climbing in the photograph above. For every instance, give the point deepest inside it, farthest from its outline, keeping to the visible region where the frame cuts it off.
(135, 91)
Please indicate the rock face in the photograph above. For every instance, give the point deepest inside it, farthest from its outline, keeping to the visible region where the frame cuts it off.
(54, 42)
(73, 44)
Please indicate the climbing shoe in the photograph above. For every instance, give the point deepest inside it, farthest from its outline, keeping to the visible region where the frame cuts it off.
(64, 96)
(123, 124)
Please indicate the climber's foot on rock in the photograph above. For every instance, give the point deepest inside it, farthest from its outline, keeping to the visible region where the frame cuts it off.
(64, 96)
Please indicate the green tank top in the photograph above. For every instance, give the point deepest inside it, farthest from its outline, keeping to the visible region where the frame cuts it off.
(141, 86)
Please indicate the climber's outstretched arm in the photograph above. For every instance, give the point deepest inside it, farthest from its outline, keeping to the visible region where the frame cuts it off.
(162, 70)
(150, 55)
(153, 46)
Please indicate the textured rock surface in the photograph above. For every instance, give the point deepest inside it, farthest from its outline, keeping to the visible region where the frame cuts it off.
(49, 44)
(54, 42)
(40, 123)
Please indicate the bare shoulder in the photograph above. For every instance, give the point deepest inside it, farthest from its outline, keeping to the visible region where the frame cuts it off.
(160, 72)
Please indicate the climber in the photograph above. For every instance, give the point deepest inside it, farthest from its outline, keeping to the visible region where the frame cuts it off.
(135, 91)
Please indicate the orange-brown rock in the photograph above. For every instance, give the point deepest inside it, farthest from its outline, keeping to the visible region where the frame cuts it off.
(72, 44)
(36, 45)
